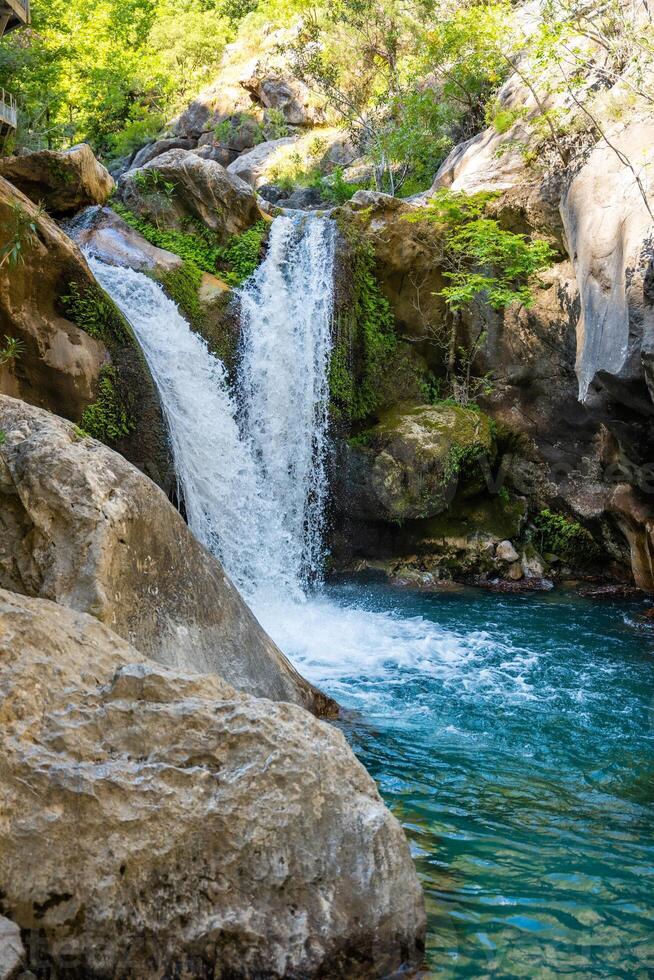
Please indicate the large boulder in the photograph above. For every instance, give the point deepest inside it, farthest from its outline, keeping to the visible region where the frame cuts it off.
(179, 185)
(412, 463)
(63, 180)
(83, 527)
(286, 95)
(155, 823)
(74, 343)
(157, 148)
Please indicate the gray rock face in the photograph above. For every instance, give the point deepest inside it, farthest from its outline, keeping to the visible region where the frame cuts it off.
(179, 185)
(412, 463)
(158, 148)
(608, 227)
(156, 823)
(252, 167)
(83, 527)
(12, 951)
(64, 180)
(285, 94)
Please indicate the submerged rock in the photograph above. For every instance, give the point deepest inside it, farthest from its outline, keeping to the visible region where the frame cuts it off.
(63, 180)
(83, 527)
(156, 823)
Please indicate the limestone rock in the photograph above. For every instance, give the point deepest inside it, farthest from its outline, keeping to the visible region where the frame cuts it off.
(155, 823)
(506, 552)
(179, 185)
(64, 180)
(608, 230)
(83, 527)
(253, 166)
(106, 236)
(515, 572)
(412, 463)
(12, 951)
(60, 364)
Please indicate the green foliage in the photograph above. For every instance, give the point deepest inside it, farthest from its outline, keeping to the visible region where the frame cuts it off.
(565, 538)
(107, 419)
(483, 261)
(242, 254)
(93, 311)
(365, 336)
(198, 246)
(151, 180)
(20, 230)
(12, 349)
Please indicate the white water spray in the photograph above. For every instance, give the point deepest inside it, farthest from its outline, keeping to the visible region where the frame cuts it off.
(251, 469)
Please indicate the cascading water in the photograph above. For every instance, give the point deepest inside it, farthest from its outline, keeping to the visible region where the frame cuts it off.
(251, 468)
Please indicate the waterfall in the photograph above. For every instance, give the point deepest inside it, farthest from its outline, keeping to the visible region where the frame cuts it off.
(250, 463)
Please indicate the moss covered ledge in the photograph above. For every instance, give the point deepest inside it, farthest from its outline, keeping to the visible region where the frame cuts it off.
(127, 413)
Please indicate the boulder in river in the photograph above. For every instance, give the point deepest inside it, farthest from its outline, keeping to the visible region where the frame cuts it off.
(82, 526)
(158, 823)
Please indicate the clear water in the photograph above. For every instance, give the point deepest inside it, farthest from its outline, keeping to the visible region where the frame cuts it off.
(513, 737)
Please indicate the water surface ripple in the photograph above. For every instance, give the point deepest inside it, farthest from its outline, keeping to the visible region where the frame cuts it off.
(513, 737)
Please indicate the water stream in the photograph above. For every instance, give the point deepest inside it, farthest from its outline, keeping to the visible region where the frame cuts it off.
(512, 736)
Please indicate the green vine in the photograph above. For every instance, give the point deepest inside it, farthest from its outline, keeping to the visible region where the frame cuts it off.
(365, 337)
(107, 419)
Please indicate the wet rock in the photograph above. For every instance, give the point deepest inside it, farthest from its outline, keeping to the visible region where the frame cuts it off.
(83, 527)
(112, 240)
(158, 823)
(179, 185)
(63, 180)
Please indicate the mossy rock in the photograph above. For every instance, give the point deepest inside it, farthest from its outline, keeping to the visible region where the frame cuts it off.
(417, 458)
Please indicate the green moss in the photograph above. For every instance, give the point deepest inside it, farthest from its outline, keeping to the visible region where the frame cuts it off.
(93, 311)
(107, 419)
(565, 538)
(182, 285)
(365, 336)
(59, 171)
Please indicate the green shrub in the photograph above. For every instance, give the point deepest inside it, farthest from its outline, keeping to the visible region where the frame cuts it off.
(565, 538)
(240, 257)
(198, 246)
(107, 419)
